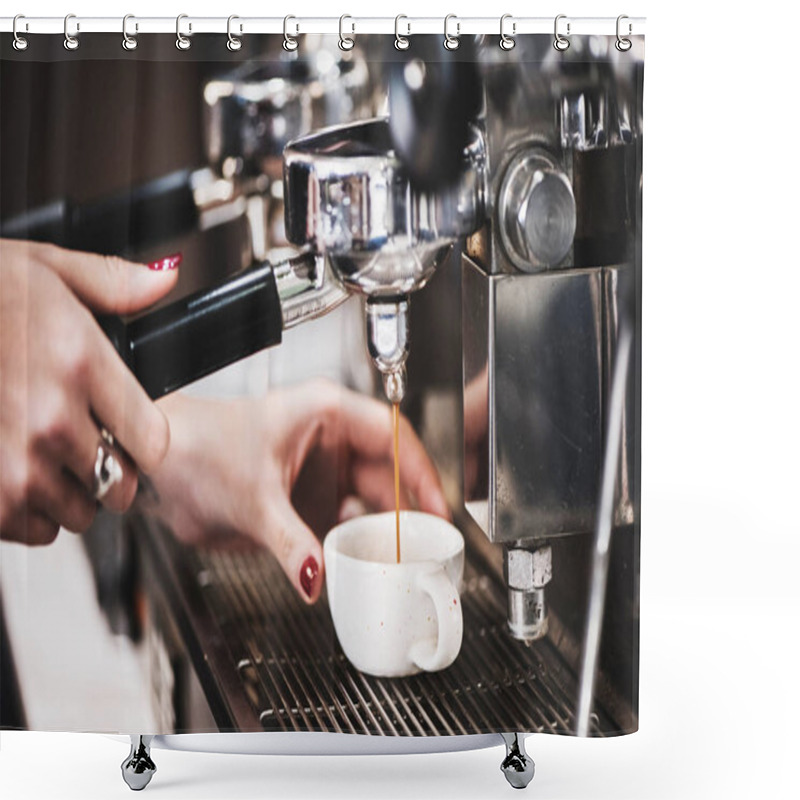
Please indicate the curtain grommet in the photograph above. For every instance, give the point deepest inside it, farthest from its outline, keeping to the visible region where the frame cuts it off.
(290, 44)
(20, 42)
(507, 42)
(622, 44)
(561, 43)
(70, 42)
(451, 42)
(401, 42)
(182, 42)
(234, 43)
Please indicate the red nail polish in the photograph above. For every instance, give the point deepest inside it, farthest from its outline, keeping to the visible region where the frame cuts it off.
(166, 264)
(308, 575)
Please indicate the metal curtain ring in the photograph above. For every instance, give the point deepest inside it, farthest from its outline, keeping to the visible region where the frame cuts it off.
(20, 42)
(507, 42)
(129, 42)
(346, 42)
(70, 42)
(289, 42)
(561, 43)
(451, 42)
(623, 45)
(107, 469)
(182, 43)
(401, 42)
(234, 42)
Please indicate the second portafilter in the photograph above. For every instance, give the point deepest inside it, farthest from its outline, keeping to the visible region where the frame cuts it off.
(364, 228)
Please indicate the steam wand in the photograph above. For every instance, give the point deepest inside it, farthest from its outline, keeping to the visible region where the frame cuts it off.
(603, 529)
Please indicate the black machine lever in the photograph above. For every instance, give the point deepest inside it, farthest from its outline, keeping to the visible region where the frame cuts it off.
(203, 332)
(133, 218)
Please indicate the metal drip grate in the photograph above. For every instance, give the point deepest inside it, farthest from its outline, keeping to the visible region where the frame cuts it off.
(296, 677)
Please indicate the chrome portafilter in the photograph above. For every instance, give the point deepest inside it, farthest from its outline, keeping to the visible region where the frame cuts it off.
(350, 199)
(362, 226)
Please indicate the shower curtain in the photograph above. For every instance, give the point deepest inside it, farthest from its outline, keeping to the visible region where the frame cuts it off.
(168, 562)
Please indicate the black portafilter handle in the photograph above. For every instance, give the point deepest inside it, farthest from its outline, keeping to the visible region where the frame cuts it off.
(201, 333)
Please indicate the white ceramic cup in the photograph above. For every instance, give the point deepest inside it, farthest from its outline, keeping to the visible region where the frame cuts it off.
(396, 619)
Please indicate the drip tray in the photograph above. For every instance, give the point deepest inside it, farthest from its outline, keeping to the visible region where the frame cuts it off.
(269, 662)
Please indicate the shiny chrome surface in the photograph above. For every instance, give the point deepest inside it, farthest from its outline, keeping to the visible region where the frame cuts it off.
(537, 211)
(539, 348)
(306, 288)
(348, 197)
(527, 571)
(387, 343)
(517, 766)
(603, 528)
(255, 110)
(138, 768)
(533, 387)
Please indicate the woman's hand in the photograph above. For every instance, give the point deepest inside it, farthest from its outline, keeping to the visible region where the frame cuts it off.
(268, 471)
(60, 380)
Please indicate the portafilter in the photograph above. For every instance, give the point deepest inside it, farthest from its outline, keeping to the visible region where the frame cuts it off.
(363, 228)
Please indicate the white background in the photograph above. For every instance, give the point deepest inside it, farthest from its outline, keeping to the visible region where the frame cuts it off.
(720, 439)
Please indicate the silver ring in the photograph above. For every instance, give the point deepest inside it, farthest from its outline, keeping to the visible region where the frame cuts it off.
(182, 43)
(507, 42)
(129, 42)
(20, 42)
(451, 42)
(289, 42)
(623, 45)
(561, 43)
(401, 42)
(346, 42)
(234, 43)
(107, 469)
(70, 42)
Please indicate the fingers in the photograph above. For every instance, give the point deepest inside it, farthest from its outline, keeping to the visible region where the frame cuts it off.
(38, 529)
(76, 448)
(367, 426)
(28, 525)
(107, 283)
(294, 545)
(373, 482)
(122, 405)
(59, 497)
(115, 397)
(350, 507)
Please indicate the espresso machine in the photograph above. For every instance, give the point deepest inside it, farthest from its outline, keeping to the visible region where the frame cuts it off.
(539, 186)
(485, 205)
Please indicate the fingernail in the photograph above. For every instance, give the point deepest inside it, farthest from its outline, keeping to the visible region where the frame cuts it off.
(166, 264)
(308, 575)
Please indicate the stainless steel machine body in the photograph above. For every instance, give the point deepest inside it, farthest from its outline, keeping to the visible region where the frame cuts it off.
(548, 283)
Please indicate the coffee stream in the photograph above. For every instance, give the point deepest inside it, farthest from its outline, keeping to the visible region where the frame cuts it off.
(396, 424)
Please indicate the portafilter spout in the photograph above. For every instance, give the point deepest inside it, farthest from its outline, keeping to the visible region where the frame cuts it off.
(349, 197)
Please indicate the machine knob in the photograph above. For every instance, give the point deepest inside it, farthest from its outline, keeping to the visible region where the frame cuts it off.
(537, 212)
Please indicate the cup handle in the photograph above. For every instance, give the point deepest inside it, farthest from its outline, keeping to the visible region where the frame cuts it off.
(429, 654)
